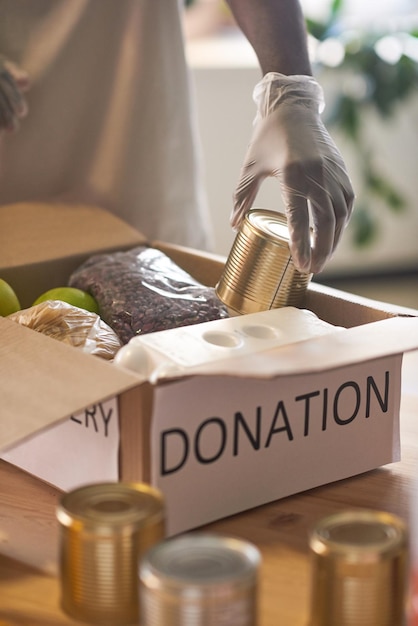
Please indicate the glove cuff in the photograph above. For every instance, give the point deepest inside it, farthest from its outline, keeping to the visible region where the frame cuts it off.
(276, 89)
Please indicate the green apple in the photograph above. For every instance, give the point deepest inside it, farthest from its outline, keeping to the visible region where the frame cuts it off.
(71, 295)
(9, 302)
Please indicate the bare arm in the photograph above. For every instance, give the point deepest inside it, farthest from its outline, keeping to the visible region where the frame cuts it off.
(276, 30)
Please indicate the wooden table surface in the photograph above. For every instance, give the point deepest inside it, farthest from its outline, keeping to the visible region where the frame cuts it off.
(28, 541)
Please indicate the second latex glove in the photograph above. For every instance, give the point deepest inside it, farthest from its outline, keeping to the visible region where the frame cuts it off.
(13, 83)
(290, 142)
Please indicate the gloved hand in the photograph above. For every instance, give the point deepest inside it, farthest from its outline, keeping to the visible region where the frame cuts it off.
(290, 142)
(13, 83)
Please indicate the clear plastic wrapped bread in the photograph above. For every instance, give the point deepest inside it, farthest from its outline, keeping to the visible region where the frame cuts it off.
(71, 325)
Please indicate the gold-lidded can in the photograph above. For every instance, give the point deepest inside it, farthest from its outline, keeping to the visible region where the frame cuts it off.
(259, 273)
(359, 573)
(105, 528)
(199, 579)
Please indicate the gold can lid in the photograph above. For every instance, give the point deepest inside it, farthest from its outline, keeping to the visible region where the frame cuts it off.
(106, 507)
(270, 224)
(360, 535)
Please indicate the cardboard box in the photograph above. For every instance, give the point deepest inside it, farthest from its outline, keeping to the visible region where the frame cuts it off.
(224, 437)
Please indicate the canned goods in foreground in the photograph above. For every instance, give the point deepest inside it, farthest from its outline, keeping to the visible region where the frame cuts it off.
(359, 570)
(259, 273)
(200, 580)
(105, 528)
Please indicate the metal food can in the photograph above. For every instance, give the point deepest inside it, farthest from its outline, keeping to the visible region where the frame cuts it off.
(200, 580)
(259, 273)
(105, 529)
(359, 570)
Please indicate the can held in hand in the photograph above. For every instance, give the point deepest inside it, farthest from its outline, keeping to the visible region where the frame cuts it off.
(259, 273)
(105, 529)
(359, 570)
(200, 580)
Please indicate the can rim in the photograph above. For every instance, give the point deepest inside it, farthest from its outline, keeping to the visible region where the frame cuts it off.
(263, 222)
(229, 562)
(105, 507)
(335, 535)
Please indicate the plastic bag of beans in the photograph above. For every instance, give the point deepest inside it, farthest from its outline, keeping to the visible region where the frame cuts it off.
(143, 290)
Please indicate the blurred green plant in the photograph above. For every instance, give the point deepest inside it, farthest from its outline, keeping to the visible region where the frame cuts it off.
(378, 74)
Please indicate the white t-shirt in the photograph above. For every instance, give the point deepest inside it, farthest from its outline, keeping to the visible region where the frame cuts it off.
(110, 115)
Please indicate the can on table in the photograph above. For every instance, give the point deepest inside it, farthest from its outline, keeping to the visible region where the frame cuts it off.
(104, 530)
(259, 273)
(359, 570)
(200, 580)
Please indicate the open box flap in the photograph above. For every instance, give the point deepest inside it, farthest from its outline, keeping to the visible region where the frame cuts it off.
(344, 347)
(43, 381)
(43, 243)
(50, 231)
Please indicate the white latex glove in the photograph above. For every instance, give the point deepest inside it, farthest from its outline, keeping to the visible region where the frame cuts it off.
(13, 83)
(290, 142)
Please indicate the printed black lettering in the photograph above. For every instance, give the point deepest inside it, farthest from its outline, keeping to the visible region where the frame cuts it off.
(106, 419)
(215, 437)
(353, 385)
(307, 397)
(253, 439)
(91, 413)
(325, 410)
(197, 448)
(74, 419)
(280, 410)
(177, 432)
(371, 384)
